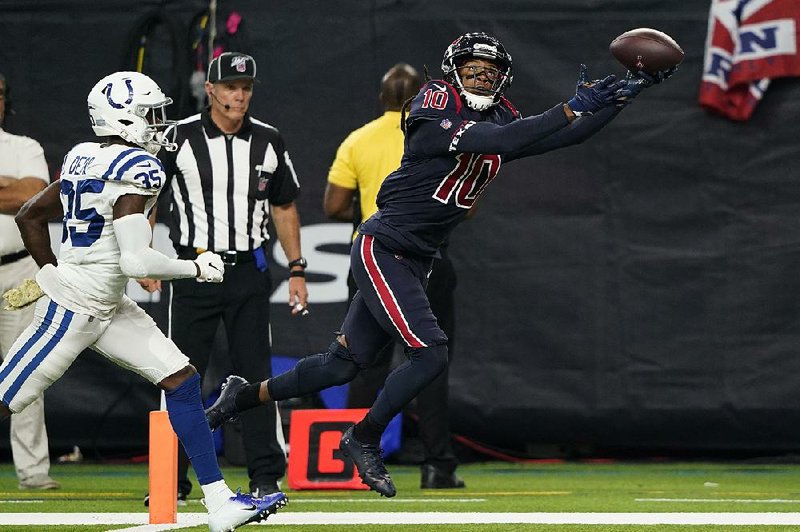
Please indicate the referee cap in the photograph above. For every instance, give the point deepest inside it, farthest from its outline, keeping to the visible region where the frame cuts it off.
(231, 65)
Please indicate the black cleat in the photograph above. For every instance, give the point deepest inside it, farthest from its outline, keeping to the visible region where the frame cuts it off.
(181, 499)
(262, 489)
(369, 462)
(224, 409)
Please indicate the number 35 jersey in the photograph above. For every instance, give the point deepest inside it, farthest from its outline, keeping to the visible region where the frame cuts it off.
(422, 201)
(88, 278)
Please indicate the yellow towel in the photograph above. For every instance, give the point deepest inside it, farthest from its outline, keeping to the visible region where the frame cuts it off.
(23, 295)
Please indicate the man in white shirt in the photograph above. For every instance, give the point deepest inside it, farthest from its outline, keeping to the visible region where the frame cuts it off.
(23, 173)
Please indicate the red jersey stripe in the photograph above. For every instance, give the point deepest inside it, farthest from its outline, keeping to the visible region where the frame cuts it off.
(385, 294)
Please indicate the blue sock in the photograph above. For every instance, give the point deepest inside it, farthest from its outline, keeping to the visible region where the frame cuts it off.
(185, 408)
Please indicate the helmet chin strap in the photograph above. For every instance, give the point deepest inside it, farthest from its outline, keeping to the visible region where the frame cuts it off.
(476, 102)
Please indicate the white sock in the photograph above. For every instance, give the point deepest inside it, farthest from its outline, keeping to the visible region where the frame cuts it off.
(216, 494)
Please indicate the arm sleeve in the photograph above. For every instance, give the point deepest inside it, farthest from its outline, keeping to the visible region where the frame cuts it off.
(580, 130)
(138, 260)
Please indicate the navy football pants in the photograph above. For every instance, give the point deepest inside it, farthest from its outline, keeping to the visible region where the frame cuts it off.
(390, 305)
(391, 302)
(432, 408)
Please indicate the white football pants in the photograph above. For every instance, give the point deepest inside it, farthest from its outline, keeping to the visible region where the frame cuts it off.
(55, 338)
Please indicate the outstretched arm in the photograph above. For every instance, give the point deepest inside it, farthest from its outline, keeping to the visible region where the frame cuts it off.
(580, 130)
(588, 125)
(487, 137)
(32, 220)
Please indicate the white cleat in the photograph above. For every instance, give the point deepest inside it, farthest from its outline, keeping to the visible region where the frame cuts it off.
(242, 509)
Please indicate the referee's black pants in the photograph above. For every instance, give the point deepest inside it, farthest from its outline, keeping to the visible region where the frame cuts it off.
(241, 301)
(433, 401)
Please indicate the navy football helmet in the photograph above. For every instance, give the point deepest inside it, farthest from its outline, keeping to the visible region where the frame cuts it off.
(480, 46)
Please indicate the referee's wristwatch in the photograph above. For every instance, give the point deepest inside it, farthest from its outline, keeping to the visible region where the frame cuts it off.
(302, 263)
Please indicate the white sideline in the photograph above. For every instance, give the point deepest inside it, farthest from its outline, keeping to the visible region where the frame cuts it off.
(139, 520)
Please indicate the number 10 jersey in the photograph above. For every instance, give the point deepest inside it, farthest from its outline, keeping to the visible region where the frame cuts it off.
(437, 183)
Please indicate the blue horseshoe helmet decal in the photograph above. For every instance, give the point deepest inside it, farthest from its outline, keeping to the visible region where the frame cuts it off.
(112, 103)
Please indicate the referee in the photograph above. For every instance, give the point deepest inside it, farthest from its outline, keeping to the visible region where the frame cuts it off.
(229, 174)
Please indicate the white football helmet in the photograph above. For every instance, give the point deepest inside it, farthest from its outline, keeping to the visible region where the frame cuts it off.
(130, 105)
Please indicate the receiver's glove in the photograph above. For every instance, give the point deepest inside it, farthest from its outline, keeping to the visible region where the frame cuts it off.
(591, 96)
(636, 82)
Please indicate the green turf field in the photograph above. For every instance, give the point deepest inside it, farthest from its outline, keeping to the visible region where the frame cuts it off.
(491, 487)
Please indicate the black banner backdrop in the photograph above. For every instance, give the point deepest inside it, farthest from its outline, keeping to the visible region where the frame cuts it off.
(636, 293)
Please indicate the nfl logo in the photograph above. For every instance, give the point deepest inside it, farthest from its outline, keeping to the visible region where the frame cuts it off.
(239, 63)
(446, 124)
(262, 183)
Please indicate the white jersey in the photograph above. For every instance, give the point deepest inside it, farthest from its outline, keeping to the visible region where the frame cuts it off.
(88, 279)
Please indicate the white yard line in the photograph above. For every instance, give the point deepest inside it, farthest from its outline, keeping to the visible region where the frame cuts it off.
(745, 501)
(139, 521)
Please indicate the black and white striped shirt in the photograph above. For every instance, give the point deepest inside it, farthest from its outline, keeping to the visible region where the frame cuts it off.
(221, 185)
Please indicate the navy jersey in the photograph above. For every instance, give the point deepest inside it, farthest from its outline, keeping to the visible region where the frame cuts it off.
(436, 184)
(451, 154)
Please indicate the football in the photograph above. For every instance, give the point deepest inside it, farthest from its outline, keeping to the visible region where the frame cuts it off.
(646, 49)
